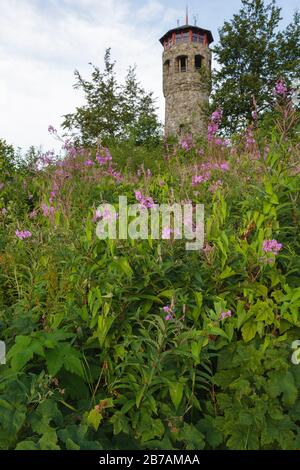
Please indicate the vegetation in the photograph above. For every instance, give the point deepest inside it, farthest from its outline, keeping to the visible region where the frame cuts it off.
(113, 111)
(253, 54)
(140, 344)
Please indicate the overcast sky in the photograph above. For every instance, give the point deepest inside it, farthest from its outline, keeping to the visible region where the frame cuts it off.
(43, 41)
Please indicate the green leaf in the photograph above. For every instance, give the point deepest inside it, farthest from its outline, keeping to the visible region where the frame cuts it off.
(94, 419)
(249, 331)
(176, 392)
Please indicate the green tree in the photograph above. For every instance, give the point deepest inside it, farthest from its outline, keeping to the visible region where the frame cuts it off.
(7, 158)
(112, 110)
(253, 54)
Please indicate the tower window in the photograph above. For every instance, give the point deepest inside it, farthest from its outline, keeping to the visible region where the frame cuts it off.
(198, 61)
(186, 37)
(178, 38)
(181, 63)
(198, 37)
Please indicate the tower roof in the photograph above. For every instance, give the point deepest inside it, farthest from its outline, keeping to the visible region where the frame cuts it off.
(185, 27)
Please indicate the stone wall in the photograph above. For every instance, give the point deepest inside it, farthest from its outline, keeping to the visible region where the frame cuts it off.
(185, 92)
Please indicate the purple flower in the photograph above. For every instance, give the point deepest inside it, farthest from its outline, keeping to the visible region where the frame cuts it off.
(88, 163)
(196, 179)
(52, 130)
(280, 88)
(224, 315)
(254, 115)
(47, 210)
(271, 246)
(169, 311)
(145, 201)
(217, 116)
(22, 235)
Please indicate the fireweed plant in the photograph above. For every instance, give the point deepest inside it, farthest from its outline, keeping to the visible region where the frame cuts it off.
(140, 344)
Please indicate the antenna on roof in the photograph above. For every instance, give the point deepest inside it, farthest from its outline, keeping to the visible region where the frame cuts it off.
(187, 15)
(195, 20)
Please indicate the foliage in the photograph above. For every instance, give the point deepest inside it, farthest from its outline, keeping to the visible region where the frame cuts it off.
(112, 110)
(93, 360)
(253, 54)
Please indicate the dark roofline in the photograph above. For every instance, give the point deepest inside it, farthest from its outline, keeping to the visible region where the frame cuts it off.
(187, 26)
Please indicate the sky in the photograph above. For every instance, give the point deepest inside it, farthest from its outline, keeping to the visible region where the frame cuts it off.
(42, 42)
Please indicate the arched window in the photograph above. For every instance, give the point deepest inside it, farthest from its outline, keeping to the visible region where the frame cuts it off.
(198, 61)
(181, 63)
(167, 67)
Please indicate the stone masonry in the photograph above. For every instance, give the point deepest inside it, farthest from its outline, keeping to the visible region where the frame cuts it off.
(185, 66)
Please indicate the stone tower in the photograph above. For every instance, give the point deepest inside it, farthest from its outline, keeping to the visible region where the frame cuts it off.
(186, 63)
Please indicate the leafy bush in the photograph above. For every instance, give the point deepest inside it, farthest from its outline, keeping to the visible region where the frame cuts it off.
(93, 360)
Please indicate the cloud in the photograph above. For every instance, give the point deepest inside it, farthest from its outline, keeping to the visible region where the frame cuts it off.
(42, 42)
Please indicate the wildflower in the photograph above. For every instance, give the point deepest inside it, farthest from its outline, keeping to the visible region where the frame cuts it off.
(280, 88)
(215, 186)
(88, 163)
(272, 246)
(161, 183)
(169, 311)
(196, 179)
(254, 115)
(47, 210)
(97, 215)
(22, 235)
(144, 200)
(186, 143)
(3, 211)
(224, 315)
(103, 156)
(224, 166)
(52, 130)
(148, 173)
(217, 116)
(32, 214)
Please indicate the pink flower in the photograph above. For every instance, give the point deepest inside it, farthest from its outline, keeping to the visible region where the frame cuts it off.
(97, 215)
(47, 210)
(52, 130)
(32, 214)
(144, 200)
(169, 311)
(272, 246)
(215, 186)
(225, 315)
(196, 179)
(88, 163)
(103, 156)
(22, 235)
(280, 88)
(217, 116)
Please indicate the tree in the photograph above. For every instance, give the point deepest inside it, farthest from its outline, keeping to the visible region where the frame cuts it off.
(113, 111)
(7, 158)
(253, 54)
